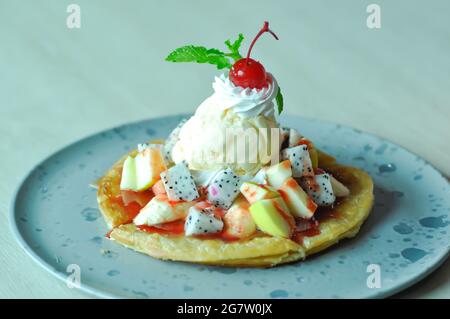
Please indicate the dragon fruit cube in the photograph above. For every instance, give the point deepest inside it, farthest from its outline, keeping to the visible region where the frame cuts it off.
(224, 188)
(300, 160)
(179, 183)
(320, 189)
(202, 221)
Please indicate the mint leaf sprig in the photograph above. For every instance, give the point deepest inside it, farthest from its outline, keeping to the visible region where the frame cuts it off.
(200, 54)
(234, 48)
(191, 53)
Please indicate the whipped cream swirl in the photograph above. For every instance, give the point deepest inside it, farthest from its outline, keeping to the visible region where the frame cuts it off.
(246, 102)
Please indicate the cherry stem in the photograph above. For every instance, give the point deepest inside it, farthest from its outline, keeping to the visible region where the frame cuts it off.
(264, 29)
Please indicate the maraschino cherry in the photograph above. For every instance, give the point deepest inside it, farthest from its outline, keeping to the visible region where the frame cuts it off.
(249, 73)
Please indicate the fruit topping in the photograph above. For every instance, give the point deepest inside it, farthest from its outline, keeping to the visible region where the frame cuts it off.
(300, 160)
(141, 172)
(162, 210)
(272, 217)
(224, 188)
(202, 221)
(254, 192)
(278, 173)
(319, 188)
(179, 183)
(339, 189)
(298, 202)
(238, 223)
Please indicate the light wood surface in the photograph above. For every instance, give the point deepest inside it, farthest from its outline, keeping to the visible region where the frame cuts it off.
(58, 85)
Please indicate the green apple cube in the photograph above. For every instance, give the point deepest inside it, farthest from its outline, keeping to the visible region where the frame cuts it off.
(141, 172)
(254, 192)
(278, 173)
(298, 202)
(128, 180)
(272, 217)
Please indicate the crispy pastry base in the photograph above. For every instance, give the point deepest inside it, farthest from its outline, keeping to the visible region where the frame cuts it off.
(258, 251)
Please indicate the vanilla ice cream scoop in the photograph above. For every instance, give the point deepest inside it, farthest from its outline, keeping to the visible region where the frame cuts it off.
(231, 128)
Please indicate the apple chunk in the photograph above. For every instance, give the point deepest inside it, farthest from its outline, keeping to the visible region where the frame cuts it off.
(158, 188)
(298, 202)
(128, 180)
(161, 210)
(254, 192)
(272, 217)
(278, 173)
(339, 189)
(149, 164)
(238, 223)
(141, 172)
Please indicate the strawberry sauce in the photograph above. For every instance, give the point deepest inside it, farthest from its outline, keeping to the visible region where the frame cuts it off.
(171, 228)
(322, 214)
(131, 209)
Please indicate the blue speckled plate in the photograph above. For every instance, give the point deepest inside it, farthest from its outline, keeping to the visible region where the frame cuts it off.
(56, 220)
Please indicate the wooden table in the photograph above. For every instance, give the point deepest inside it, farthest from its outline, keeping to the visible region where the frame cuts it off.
(58, 84)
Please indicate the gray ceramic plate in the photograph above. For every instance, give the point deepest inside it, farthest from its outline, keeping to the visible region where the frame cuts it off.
(56, 220)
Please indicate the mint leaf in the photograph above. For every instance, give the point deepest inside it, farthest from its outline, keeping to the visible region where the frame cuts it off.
(199, 54)
(191, 53)
(234, 48)
(279, 100)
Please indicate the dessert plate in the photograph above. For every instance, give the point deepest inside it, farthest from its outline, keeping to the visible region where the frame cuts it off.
(55, 218)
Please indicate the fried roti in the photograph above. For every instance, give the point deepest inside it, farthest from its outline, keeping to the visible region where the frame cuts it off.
(342, 221)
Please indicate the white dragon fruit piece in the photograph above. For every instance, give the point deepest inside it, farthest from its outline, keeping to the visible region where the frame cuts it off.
(171, 140)
(179, 183)
(224, 188)
(300, 161)
(319, 188)
(202, 221)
